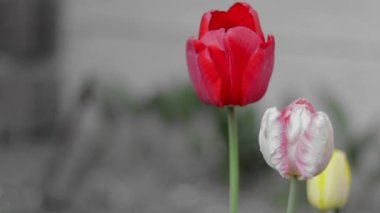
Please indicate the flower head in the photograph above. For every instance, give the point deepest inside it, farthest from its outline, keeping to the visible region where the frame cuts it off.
(298, 141)
(331, 188)
(230, 63)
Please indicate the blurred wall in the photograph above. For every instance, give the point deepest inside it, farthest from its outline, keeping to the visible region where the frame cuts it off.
(28, 69)
(28, 27)
(322, 47)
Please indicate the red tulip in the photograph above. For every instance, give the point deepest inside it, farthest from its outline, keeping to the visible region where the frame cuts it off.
(230, 63)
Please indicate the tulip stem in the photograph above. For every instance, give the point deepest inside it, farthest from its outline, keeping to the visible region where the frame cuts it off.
(292, 195)
(234, 160)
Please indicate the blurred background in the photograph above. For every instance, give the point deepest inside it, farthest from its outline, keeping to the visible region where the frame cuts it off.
(97, 113)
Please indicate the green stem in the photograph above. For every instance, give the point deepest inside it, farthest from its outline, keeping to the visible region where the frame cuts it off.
(234, 160)
(292, 195)
(336, 210)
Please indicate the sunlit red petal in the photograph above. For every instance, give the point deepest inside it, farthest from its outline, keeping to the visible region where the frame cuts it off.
(217, 50)
(230, 63)
(205, 22)
(253, 77)
(219, 20)
(239, 14)
(203, 75)
(211, 78)
(256, 20)
(268, 64)
(258, 72)
(214, 38)
(242, 14)
(241, 43)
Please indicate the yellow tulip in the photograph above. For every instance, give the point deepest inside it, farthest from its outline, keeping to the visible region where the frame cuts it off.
(330, 189)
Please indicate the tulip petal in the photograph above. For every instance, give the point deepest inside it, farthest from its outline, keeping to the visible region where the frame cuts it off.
(239, 14)
(253, 77)
(258, 72)
(205, 22)
(340, 178)
(298, 123)
(211, 77)
(214, 40)
(306, 103)
(268, 65)
(317, 141)
(241, 43)
(203, 74)
(219, 20)
(272, 142)
(296, 118)
(298, 141)
(330, 189)
(219, 57)
(243, 14)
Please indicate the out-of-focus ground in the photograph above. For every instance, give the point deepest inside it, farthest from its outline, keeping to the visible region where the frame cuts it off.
(122, 131)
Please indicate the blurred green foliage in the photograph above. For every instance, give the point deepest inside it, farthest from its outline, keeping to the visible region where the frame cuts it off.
(175, 105)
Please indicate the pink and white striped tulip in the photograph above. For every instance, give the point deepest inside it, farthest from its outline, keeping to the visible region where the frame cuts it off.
(298, 141)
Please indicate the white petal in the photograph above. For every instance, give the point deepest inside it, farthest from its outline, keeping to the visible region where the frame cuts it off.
(299, 121)
(315, 148)
(270, 141)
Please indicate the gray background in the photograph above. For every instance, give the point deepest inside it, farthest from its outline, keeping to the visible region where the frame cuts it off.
(145, 164)
(332, 45)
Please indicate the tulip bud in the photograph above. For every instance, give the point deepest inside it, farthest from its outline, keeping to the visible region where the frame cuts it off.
(330, 189)
(298, 141)
(230, 62)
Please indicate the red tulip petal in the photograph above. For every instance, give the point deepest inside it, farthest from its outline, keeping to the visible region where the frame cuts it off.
(239, 14)
(205, 22)
(241, 43)
(268, 65)
(203, 74)
(198, 46)
(214, 40)
(194, 72)
(252, 80)
(242, 14)
(258, 72)
(211, 77)
(219, 20)
(255, 19)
